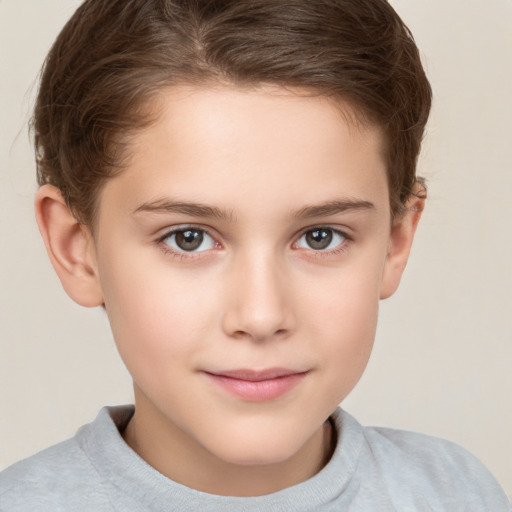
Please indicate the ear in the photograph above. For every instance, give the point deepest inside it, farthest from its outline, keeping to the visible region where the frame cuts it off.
(70, 247)
(402, 235)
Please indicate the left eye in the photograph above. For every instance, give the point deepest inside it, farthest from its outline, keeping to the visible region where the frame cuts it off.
(321, 239)
(189, 240)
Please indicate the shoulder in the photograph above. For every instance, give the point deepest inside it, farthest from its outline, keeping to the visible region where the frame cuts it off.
(400, 470)
(49, 481)
(440, 472)
(60, 478)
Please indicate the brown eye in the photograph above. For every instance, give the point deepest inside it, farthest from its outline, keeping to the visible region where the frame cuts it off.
(321, 239)
(189, 240)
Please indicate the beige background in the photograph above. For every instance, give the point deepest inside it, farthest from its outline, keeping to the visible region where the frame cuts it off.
(443, 358)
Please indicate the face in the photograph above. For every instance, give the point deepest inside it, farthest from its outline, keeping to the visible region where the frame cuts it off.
(240, 256)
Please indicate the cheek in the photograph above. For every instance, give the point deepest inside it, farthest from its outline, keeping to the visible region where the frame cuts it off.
(343, 320)
(157, 316)
(345, 299)
(348, 326)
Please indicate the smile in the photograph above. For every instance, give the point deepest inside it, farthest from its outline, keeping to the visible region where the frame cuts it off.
(257, 386)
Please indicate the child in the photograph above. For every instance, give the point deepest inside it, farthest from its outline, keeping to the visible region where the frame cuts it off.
(234, 182)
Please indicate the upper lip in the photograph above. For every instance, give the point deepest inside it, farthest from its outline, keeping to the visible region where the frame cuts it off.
(256, 375)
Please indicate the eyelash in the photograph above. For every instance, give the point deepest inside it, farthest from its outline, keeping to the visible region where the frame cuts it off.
(341, 248)
(181, 255)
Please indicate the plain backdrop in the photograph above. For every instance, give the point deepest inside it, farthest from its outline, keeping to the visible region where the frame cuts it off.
(443, 356)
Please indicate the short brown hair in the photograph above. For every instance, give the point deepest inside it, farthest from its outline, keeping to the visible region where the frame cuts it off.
(113, 56)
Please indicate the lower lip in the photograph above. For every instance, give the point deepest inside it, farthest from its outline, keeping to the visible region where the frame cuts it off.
(258, 391)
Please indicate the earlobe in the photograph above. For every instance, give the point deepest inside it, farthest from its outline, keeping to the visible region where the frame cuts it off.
(401, 238)
(70, 247)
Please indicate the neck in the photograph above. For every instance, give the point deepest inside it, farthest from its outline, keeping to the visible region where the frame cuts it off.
(171, 452)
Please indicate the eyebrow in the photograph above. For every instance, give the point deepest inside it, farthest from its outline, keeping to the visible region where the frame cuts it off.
(202, 210)
(184, 208)
(333, 207)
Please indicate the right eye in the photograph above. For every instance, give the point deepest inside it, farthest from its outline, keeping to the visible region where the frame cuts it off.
(189, 240)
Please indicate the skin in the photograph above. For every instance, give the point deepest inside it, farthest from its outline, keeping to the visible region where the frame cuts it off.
(255, 172)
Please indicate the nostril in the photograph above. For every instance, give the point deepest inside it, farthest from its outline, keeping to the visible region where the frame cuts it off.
(260, 335)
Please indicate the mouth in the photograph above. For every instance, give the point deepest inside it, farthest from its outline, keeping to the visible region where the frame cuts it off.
(257, 385)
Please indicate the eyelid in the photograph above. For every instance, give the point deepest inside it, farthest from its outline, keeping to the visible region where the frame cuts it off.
(319, 253)
(180, 254)
(324, 252)
(168, 231)
(345, 232)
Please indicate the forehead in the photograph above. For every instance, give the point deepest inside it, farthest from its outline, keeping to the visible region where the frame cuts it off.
(221, 144)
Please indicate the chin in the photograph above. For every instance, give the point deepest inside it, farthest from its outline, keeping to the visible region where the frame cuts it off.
(259, 447)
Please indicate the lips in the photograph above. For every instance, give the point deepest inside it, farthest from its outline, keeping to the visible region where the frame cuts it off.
(257, 385)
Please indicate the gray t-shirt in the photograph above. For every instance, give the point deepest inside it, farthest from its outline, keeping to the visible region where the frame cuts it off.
(372, 470)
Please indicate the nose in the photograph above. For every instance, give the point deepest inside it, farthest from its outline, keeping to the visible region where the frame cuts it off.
(259, 305)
